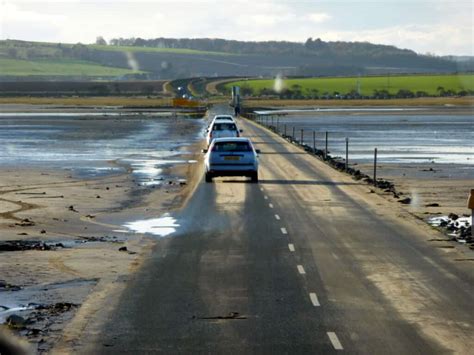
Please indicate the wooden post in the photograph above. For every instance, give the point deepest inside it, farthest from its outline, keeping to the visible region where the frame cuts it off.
(347, 153)
(302, 136)
(285, 129)
(326, 148)
(314, 142)
(293, 136)
(375, 167)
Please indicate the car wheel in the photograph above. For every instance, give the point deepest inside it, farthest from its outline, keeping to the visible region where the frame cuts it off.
(208, 177)
(254, 177)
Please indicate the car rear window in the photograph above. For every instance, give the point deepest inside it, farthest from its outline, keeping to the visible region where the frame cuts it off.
(232, 147)
(224, 127)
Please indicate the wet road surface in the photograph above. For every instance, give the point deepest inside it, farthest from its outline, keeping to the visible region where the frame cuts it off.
(303, 262)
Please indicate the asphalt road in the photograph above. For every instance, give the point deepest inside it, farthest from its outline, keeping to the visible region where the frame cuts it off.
(306, 261)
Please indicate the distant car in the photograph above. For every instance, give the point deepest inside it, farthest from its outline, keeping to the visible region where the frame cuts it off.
(221, 129)
(221, 118)
(231, 157)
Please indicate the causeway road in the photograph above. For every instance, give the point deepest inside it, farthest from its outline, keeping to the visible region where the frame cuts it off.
(306, 261)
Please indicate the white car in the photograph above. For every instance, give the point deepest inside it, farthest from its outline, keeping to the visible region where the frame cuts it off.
(229, 118)
(222, 118)
(231, 157)
(222, 129)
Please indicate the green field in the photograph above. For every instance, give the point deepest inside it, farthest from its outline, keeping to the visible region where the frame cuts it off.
(414, 83)
(158, 50)
(62, 67)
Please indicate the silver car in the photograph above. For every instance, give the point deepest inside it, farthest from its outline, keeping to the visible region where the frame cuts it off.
(231, 157)
(220, 129)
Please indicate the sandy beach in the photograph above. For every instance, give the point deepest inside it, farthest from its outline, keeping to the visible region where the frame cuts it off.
(63, 245)
(435, 189)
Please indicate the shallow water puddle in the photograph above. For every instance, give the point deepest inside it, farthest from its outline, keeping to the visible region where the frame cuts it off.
(6, 311)
(161, 227)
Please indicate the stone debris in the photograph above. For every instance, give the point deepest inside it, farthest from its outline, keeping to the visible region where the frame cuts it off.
(456, 227)
(405, 201)
(16, 322)
(21, 245)
(25, 223)
(5, 287)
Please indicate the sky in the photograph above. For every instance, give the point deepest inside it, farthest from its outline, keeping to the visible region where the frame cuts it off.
(441, 27)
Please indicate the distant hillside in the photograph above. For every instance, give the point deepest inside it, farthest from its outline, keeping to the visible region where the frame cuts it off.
(164, 58)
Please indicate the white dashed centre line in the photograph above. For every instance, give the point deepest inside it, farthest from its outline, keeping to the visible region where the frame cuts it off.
(270, 205)
(277, 217)
(261, 189)
(284, 231)
(314, 299)
(301, 269)
(291, 247)
(265, 197)
(335, 341)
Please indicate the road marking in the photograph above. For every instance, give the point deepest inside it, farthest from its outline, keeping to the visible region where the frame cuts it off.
(335, 341)
(261, 189)
(335, 256)
(270, 205)
(277, 217)
(291, 247)
(301, 269)
(284, 231)
(314, 299)
(265, 197)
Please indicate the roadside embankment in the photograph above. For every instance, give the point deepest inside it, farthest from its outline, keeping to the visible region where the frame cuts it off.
(425, 190)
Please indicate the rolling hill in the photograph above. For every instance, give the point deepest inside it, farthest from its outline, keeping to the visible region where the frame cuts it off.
(181, 58)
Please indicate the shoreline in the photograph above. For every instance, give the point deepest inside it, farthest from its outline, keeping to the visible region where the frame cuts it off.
(62, 257)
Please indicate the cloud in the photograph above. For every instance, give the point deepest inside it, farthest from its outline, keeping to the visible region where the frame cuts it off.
(19, 23)
(443, 38)
(12, 12)
(443, 29)
(318, 17)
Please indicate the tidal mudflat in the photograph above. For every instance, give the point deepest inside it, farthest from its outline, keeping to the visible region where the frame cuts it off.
(67, 184)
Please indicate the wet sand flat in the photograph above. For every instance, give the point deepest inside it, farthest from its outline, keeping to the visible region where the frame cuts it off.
(435, 189)
(67, 188)
(428, 153)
